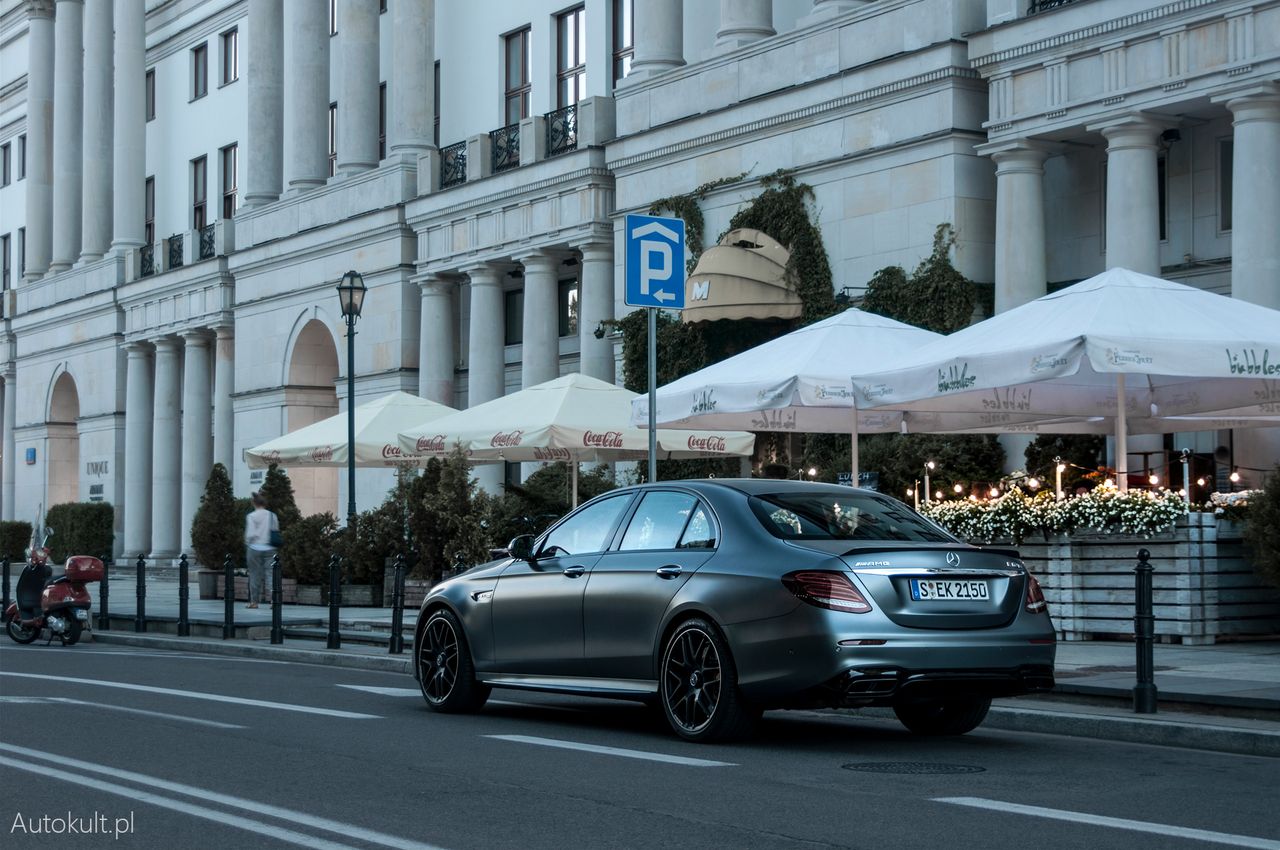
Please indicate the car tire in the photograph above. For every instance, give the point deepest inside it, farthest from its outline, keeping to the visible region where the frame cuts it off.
(698, 687)
(943, 716)
(446, 672)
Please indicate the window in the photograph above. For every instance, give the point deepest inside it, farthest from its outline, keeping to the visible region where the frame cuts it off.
(149, 212)
(568, 303)
(333, 17)
(588, 530)
(659, 521)
(513, 311)
(6, 174)
(4, 261)
(333, 139)
(199, 71)
(382, 6)
(22, 156)
(229, 162)
(1162, 195)
(700, 533)
(571, 57)
(623, 41)
(151, 94)
(199, 171)
(1226, 173)
(436, 102)
(519, 72)
(230, 56)
(22, 251)
(382, 121)
(818, 515)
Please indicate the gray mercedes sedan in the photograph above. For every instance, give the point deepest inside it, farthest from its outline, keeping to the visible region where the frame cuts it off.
(715, 600)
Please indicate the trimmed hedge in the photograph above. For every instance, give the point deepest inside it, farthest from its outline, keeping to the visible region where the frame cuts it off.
(80, 528)
(14, 539)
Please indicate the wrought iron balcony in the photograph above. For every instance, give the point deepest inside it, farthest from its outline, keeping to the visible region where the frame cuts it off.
(1044, 5)
(147, 254)
(506, 147)
(175, 251)
(206, 242)
(562, 130)
(453, 165)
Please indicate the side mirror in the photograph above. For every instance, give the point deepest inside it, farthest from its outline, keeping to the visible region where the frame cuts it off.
(521, 547)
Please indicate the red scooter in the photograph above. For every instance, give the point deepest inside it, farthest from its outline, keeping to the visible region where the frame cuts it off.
(61, 605)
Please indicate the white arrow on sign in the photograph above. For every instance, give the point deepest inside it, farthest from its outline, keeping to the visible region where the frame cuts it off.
(649, 273)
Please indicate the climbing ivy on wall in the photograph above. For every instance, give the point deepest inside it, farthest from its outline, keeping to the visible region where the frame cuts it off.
(936, 297)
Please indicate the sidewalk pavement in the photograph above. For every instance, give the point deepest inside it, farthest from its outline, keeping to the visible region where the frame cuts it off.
(1222, 697)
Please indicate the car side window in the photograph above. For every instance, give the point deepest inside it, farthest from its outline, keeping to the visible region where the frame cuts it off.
(700, 533)
(587, 530)
(659, 520)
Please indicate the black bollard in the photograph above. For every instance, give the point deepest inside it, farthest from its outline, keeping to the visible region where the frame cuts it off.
(228, 598)
(277, 600)
(335, 591)
(184, 593)
(140, 616)
(1144, 628)
(104, 593)
(397, 608)
(4, 567)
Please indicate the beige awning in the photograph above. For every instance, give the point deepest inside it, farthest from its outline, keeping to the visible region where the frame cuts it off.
(743, 277)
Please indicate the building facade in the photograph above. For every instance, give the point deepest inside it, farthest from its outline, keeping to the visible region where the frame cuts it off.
(185, 182)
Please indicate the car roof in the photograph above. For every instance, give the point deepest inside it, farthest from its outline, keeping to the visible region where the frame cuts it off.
(757, 486)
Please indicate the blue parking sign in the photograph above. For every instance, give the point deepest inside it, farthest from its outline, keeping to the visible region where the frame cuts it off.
(655, 262)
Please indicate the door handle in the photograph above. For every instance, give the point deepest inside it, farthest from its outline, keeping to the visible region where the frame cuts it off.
(574, 572)
(669, 571)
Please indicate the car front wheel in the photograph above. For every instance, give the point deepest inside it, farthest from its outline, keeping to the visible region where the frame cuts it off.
(943, 716)
(445, 670)
(699, 686)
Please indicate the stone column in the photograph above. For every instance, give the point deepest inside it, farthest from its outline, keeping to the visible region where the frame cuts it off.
(129, 132)
(166, 452)
(744, 21)
(1020, 238)
(659, 38)
(138, 424)
(39, 137)
(264, 136)
(436, 339)
(595, 305)
(197, 428)
(95, 226)
(411, 89)
(485, 368)
(540, 350)
(68, 130)
(224, 379)
(306, 94)
(1255, 197)
(1133, 204)
(10, 458)
(357, 86)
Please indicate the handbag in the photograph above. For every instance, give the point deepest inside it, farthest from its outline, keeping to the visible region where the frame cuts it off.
(275, 539)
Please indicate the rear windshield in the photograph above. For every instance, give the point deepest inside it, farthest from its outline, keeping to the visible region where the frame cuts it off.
(857, 516)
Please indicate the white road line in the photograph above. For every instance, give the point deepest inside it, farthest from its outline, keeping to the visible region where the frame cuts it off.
(1115, 823)
(68, 701)
(611, 751)
(346, 830)
(257, 703)
(385, 692)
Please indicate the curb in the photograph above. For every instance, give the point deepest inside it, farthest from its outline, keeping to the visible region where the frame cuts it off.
(326, 658)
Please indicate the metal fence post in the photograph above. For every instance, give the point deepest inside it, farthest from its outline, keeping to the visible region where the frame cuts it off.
(104, 593)
(4, 567)
(335, 591)
(277, 601)
(1144, 692)
(397, 608)
(184, 593)
(140, 616)
(228, 598)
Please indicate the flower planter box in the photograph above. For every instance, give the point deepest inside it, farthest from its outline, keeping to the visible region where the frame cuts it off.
(357, 595)
(415, 590)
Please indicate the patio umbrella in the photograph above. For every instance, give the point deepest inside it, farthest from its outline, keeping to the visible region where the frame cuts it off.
(324, 443)
(573, 418)
(1120, 348)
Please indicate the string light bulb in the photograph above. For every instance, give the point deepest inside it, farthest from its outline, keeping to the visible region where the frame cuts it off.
(938, 495)
(995, 491)
(959, 488)
(1200, 481)
(1235, 477)
(1155, 480)
(1033, 483)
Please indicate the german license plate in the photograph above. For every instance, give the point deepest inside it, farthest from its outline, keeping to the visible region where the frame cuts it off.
(937, 590)
(82, 614)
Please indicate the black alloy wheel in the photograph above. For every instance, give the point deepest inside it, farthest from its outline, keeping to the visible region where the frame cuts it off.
(699, 686)
(446, 673)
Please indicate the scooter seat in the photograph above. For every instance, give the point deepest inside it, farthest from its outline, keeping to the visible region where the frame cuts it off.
(58, 580)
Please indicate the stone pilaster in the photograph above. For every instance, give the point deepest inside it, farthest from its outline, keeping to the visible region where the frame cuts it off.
(197, 427)
(224, 378)
(129, 131)
(306, 94)
(138, 425)
(264, 136)
(166, 452)
(357, 86)
(95, 220)
(437, 339)
(68, 132)
(39, 189)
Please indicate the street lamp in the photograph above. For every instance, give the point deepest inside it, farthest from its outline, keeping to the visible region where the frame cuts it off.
(928, 467)
(351, 295)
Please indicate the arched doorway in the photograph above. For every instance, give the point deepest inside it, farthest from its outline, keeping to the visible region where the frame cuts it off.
(310, 396)
(62, 457)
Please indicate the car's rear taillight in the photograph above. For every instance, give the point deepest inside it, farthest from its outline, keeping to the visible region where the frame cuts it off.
(827, 590)
(1035, 596)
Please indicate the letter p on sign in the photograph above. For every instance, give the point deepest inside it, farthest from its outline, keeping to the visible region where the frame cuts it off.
(655, 267)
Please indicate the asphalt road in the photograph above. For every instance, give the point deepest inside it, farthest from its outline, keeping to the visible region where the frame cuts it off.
(163, 750)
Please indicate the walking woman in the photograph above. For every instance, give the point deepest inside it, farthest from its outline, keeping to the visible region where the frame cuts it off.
(261, 532)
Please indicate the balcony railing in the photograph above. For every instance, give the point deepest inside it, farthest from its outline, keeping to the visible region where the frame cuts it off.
(175, 251)
(148, 256)
(1044, 5)
(506, 147)
(453, 165)
(562, 130)
(206, 242)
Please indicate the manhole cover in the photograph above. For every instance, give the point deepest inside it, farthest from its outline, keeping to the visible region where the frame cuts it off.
(912, 767)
